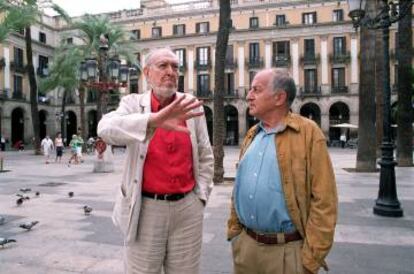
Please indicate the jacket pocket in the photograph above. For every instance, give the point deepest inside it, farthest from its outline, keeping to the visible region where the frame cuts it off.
(121, 213)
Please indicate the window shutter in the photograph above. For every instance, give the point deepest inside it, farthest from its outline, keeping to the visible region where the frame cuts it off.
(198, 27)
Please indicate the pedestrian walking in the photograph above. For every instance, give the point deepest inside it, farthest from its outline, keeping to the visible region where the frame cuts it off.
(168, 174)
(284, 203)
(47, 148)
(2, 143)
(79, 146)
(59, 147)
(73, 150)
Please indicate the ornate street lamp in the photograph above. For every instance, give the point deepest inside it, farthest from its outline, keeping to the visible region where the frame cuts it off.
(113, 69)
(387, 203)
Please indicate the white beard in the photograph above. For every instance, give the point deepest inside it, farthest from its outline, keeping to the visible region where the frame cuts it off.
(163, 92)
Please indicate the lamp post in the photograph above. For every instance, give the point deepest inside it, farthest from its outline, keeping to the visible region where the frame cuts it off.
(103, 74)
(387, 203)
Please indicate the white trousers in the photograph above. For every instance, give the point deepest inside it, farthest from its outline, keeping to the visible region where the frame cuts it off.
(169, 237)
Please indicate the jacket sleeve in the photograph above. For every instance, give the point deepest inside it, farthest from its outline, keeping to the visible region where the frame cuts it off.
(205, 156)
(320, 226)
(124, 126)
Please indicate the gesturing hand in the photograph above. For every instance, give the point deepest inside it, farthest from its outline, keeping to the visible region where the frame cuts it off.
(171, 116)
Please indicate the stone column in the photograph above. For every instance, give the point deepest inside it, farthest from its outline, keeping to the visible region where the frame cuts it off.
(268, 54)
(6, 69)
(190, 67)
(324, 65)
(354, 64)
(144, 55)
(295, 60)
(242, 121)
(325, 124)
(240, 65)
(213, 68)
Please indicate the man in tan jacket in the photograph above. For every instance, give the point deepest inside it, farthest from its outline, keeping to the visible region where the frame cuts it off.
(284, 204)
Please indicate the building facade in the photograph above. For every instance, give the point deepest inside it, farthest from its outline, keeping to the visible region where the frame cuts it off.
(314, 40)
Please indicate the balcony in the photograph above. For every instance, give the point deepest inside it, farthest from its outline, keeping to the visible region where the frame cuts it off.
(281, 61)
(182, 67)
(2, 63)
(254, 63)
(3, 94)
(205, 65)
(42, 72)
(230, 64)
(340, 58)
(18, 95)
(339, 89)
(231, 94)
(17, 67)
(310, 59)
(310, 92)
(204, 94)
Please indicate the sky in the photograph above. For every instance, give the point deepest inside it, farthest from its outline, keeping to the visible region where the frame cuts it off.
(80, 7)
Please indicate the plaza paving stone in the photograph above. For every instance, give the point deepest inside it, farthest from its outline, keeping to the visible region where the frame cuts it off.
(67, 241)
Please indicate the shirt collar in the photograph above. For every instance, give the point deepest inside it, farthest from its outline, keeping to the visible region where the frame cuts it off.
(155, 103)
(288, 121)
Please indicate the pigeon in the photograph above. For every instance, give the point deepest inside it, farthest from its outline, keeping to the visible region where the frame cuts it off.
(29, 225)
(24, 190)
(37, 193)
(70, 194)
(19, 201)
(87, 210)
(4, 241)
(22, 197)
(2, 220)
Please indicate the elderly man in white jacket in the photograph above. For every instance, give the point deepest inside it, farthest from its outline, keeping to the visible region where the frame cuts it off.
(168, 171)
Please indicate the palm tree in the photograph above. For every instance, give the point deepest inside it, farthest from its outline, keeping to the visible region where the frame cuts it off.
(23, 14)
(92, 29)
(405, 91)
(218, 122)
(366, 154)
(63, 73)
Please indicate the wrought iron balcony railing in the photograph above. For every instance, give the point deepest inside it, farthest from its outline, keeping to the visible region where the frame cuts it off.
(204, 65)
(310, 91)
(18, 67)
(204, 94)
(340, 58)
(18, 95)
(339, 89)
(231, 94)
(281, 61)
(230, 63)
(310, 59)
(254, 62)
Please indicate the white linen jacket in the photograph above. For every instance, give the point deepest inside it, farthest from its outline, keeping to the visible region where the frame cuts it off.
(128, 125)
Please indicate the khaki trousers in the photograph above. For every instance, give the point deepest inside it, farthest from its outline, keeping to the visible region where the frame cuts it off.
(169, 237)
(251, 257)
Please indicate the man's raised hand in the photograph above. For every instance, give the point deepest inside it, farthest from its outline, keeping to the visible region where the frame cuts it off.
(172, 116)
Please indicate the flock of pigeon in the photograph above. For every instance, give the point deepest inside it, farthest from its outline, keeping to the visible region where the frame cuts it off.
(22, 197)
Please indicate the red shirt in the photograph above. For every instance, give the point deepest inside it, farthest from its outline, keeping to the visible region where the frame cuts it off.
(168, 167)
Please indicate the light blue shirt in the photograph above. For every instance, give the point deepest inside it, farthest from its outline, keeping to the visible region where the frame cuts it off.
(258, 195)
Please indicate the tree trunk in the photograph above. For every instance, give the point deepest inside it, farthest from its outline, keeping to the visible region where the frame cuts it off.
(218, 121)
(102, 103)
(63, 118)
(379, 89)
(82, 114)
(33, 91)
(405, 109)
(366, 154)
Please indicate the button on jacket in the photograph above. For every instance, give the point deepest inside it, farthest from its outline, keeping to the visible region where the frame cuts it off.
(128, 125)
(308, 184)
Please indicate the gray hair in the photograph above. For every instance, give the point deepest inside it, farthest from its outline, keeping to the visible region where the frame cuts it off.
(281, 81)
(154, 52)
